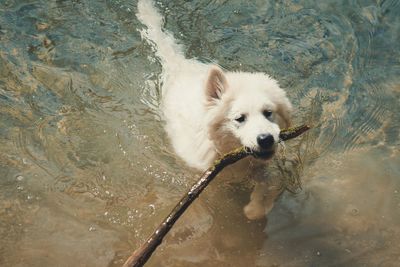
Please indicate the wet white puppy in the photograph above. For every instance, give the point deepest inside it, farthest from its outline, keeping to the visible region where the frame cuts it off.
(209, 112)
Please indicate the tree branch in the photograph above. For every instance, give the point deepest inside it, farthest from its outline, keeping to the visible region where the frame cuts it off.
(140, 256)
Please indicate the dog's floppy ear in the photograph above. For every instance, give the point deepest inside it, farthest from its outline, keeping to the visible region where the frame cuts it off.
(284, 110)
(216, 84)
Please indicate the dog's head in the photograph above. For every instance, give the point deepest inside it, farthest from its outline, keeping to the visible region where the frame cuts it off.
(246, 109)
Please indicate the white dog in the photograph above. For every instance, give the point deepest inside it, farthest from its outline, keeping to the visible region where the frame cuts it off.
(209, 112)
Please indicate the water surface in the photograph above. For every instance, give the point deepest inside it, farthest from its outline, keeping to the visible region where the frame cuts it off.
(86, 171)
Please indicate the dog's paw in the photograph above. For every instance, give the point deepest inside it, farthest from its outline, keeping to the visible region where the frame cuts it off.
(254, 210)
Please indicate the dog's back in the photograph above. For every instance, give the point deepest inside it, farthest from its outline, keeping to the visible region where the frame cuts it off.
(183, 97)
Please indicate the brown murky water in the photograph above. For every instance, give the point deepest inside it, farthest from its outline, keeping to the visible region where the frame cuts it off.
(86, 171)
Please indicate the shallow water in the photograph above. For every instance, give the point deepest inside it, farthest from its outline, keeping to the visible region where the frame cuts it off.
(86, 171)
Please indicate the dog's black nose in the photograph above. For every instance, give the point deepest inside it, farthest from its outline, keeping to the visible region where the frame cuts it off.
(265, 141)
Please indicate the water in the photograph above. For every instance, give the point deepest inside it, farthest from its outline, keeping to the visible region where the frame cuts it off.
(86, 171)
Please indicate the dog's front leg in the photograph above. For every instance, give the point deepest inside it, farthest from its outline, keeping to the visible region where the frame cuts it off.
(262, 198)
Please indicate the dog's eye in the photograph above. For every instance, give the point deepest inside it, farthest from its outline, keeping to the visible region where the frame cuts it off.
(241, 119)
(267, 114)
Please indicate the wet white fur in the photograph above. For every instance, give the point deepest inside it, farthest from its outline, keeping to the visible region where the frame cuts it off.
(187, 110)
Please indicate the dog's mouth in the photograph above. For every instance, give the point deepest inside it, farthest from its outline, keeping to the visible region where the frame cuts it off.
(263, 154)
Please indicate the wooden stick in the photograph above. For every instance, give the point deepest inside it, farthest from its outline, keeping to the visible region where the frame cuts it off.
(140, 256)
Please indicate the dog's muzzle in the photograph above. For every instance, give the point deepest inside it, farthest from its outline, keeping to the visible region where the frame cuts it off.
(265, 141)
